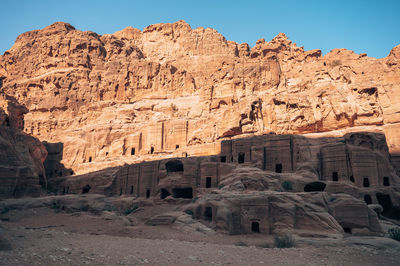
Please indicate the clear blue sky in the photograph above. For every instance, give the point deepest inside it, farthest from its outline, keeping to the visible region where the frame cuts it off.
(365, 26)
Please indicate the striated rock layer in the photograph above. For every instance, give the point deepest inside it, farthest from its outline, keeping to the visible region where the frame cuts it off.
(266, 139)
(171, 90)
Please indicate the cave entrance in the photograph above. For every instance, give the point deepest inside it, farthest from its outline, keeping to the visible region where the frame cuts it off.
(347, 230)
(314, 186)
(86, 189)
(367, 199)
(7, 122)
(386, 181)
(255, 227)
(208, 214)
(335, 176)
(174, 166)
(278, 168)
(148, 193)
(90, 159)
(133, 151)
(185, 193)
(208, 182)
(131, 190)
(386, 203)
(352, 179)
(366, 182)
(223, 159)
(241, 157)
(151, 150)
(164, 193)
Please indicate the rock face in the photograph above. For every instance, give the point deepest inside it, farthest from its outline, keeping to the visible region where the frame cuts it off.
(21, 156)
(171, 90)
(271, 138)
(276, 213)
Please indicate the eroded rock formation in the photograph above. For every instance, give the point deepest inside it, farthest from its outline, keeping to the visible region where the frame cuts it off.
(171, 90)
(271, 138)
(21, 156)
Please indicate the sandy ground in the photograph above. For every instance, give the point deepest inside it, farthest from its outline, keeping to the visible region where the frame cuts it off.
(43, 236)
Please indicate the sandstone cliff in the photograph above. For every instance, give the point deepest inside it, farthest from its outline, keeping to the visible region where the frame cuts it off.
(171, 90)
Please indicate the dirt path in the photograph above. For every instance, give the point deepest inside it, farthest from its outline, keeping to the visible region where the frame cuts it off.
(47, 246)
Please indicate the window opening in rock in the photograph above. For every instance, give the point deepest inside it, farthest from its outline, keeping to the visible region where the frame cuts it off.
(366, 182)
(131, 190)
(231, 158)
(185, 193)
(208, 182)
(106, 153)
(347, 230)
(151, 150)
(86, 189)
(148, 193)
(120, 191)
(278, 168)
(90, 159)
(208, 214)
(7, 122)
(241, 157)
(352, 179)
(67, 190)
(255, 227)
(335, 176)
(164, 193)
(386, 181)
(176, 146)
(314, 186)
(367, 199)
(133, 151)
(174, 166)
(223, 159)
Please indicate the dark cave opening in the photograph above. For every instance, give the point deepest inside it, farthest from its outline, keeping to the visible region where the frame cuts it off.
(185, 193)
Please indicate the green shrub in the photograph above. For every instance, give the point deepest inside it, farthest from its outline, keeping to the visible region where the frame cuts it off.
(221, 186)
(394, 233)
(5, 210)
(194, 199)
(265, 245)
(129, 211)
(283, 241)
(241, 244)
(287, 185)
(190, 212)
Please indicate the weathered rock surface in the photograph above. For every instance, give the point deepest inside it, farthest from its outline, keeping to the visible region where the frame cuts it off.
(270, 138)
(21, 156)
(274, 213)
(171, 90)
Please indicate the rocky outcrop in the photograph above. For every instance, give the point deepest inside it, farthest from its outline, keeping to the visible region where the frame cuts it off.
(171, 90)
(277, 213)
(21, 156)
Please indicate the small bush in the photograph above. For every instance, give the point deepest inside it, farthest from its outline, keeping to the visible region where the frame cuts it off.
(283, 241)
(190, 212)
(194, 199)
(5, 210)
(221, 186)
(129, 211)
(394, 233)
(265, 245)
(287, 185)
(241, 244)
